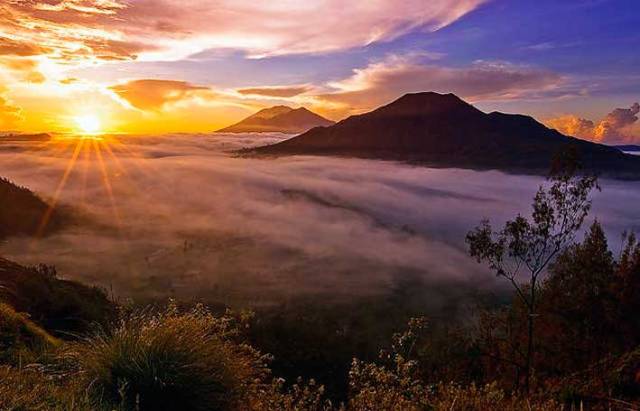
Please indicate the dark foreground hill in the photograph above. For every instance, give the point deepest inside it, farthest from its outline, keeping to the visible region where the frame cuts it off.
(445, 131)
(22, 212)
(281, 119)
(60, 306)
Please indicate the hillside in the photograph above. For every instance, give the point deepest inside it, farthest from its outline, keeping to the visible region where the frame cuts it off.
(59, 306)
(281, 119)
(445, 131)
(21, 211)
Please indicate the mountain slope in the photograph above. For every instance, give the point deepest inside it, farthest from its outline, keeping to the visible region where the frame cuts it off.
(55, 304)
(280, 119)
(21, 211)
(443, 130)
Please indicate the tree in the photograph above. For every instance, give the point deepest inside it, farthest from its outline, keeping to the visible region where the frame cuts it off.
(578, 303)
(627, 290)
(523, 249)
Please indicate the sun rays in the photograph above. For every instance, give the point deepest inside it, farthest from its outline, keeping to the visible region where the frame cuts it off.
(85, 150)
(88, 124)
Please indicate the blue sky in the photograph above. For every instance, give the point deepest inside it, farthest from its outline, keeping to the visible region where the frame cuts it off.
(546, 58)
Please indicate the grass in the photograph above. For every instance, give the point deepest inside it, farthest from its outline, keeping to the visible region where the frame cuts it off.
(167, 361)
(31, 389)
(21, 340)
(193, 360)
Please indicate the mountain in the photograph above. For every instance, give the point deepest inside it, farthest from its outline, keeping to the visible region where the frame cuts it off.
(280, 119)
(444, 131)
(21, 211)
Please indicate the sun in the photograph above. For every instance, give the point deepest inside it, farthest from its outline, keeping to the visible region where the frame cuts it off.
(88, 123)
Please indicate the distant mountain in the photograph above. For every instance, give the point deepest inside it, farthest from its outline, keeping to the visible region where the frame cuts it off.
(25, 137)
(280, 119)
(444, 131)
(21, 211)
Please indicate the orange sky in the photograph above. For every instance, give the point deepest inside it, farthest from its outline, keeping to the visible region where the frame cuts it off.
(156, 66)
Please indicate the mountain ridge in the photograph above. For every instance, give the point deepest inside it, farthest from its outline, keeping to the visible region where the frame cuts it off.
(443, 130)
(281, 119)
(22, 212)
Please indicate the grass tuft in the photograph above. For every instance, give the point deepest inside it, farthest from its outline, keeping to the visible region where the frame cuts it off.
(167, 361)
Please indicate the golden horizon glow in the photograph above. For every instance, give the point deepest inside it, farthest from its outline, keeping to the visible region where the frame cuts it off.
(88, 124)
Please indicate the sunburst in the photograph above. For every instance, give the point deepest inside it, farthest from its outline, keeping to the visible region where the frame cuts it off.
(88, 124)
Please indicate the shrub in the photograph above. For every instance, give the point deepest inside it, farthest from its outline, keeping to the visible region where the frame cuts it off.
(299, 397)
(169, 361)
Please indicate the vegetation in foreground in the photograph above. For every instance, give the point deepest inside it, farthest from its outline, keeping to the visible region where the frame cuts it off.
(568, 339)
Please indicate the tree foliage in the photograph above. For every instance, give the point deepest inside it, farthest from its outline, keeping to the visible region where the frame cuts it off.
(521, 251)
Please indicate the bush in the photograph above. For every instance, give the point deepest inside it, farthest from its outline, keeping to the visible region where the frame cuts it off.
(169, 361)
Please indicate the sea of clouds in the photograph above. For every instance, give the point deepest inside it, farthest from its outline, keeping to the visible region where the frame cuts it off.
(180, 215)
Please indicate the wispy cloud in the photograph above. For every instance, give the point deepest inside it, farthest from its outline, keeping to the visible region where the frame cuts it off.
(94, 30)
(383, 81)
(275, 91)
(10, 114)
(25, 69)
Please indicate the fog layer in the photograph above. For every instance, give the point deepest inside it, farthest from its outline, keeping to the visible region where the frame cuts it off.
(178, 215)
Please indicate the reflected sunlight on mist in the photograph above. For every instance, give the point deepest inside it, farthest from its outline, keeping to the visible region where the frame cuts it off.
(180, 215)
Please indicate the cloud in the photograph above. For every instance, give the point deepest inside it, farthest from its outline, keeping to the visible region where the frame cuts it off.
(193, 221)
(91, 30)
(10, 47)
(573, 126)
(275, 91)
(69, 80)
(154, 95)
(26, 69)
(615, 127)
(10, 114)
(381, 82)
(80, 31)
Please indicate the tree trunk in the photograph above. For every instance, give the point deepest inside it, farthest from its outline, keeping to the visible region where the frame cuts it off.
(530, 336)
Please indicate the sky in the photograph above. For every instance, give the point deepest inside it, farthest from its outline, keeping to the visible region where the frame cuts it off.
(160, 66)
